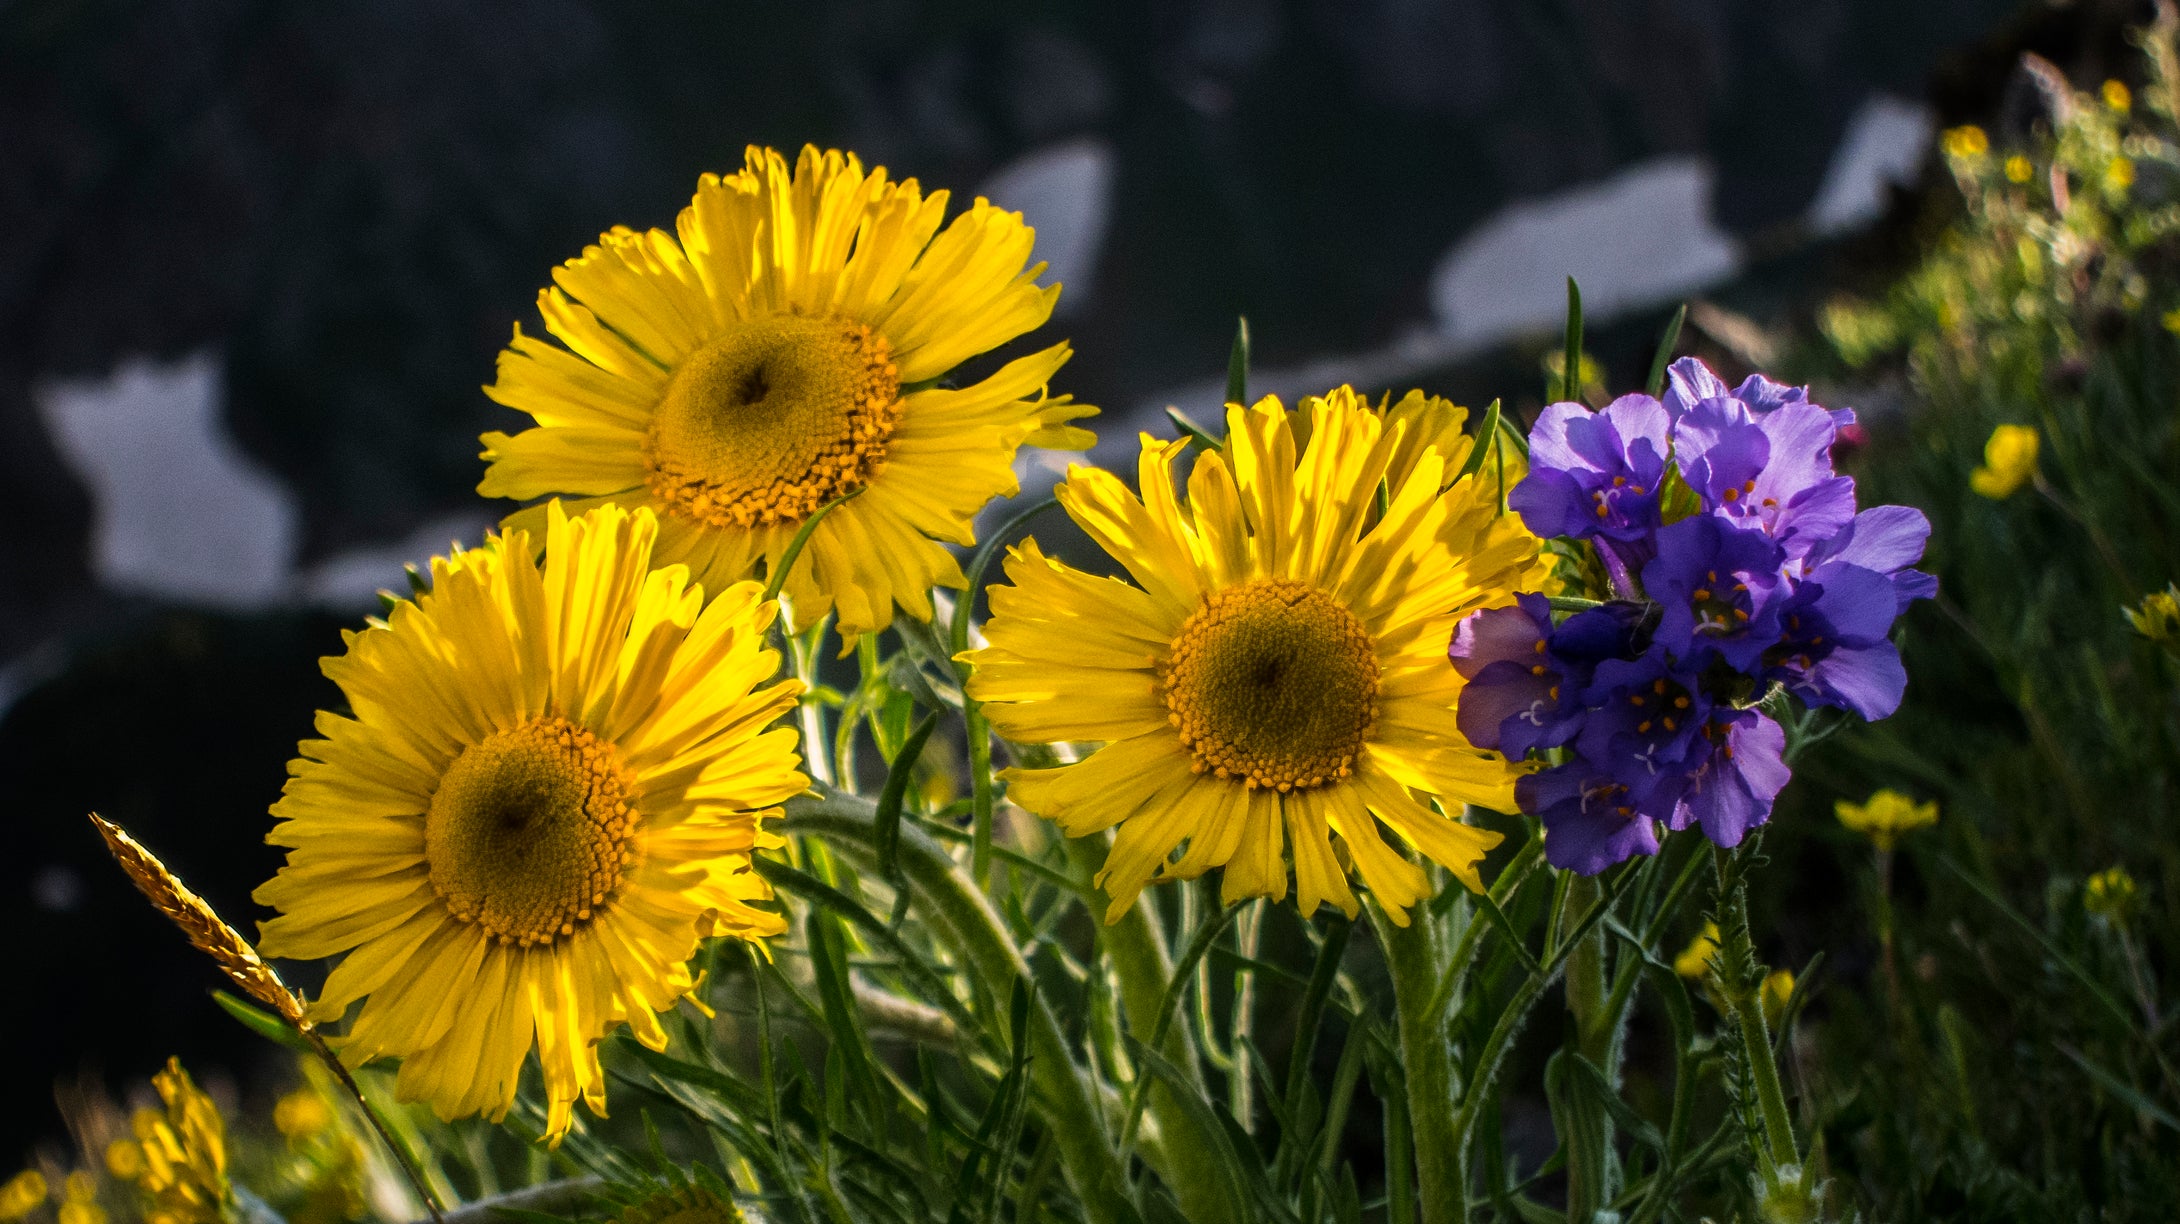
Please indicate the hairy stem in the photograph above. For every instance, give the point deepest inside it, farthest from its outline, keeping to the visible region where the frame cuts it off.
(1415, 957)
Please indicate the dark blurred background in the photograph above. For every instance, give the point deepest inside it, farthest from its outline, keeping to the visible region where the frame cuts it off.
(258, 258)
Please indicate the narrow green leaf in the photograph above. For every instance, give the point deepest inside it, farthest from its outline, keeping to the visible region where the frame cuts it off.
(1578, 1118)
(272, 1028)
(778, 577)
(914, 963)
(829, 963)
(2122, 1089)
(1311, 1017)
(1155, 1066)
(1237, 363)
(958, 631)
(1184, 973)
(898, 776)
(2072, 967)
(1486, 433)
(1570, 375)
(1666, 344)
(1191, 430)
(1510, 429)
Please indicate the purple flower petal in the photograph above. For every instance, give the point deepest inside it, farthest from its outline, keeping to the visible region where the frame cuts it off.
(1732, 792)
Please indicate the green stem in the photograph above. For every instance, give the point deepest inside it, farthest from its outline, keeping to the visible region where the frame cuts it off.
(979, 731)
(1415, 959)
(1586, 976)
(1737, 953)
(1143, 965)
(400, 1151)
(980, 934)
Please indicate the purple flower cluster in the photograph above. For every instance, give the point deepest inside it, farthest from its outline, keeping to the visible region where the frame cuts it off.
(1766, 578)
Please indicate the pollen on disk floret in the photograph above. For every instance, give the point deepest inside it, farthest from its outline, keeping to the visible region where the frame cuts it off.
(1273, 683)
(531, 831)
(771, 420)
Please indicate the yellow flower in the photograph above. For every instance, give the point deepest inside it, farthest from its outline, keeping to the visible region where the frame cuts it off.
(549, 793)
(2110, 894)
(302, 1114)
(1966, 142)
(1276, 676)
(1884, 816)
(2119, 174)
(1694, 961)
(2117, 97)
(2019, 169)
(1777, 992)
(2158, 617)
(79, 1200)
(178, 1159)
(782, 349)
(2009, 460)
(24, 1193)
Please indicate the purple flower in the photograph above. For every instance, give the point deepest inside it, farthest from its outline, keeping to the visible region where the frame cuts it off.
(1595, 473)
(1516, 698)
(1740, 773)
(1525, 675)
(1690, 382)
(1655, 750)
(1718, 589)
(1886, 539)
(1589, 824)
(1769, 472)
(1833, 648)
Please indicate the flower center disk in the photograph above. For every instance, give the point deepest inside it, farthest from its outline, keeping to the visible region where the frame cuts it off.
(1272, 682)
(531, 831)
(773, 419)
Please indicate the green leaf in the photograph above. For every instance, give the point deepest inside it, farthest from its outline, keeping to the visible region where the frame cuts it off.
(1510, 429)
(898, 776)
(981, 560)
(1237, 363)
(2122, 1089)
(2072, 967)
(1486, 431)
(1236, 1181)
(1570, 375)
(778, 577)
(914, 963)
(272, 1028)
(829, 963)
(1578, 1117)
(1666, 344)
(1191, 430)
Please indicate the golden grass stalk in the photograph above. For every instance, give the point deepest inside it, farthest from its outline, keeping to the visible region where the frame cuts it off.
(204, 927)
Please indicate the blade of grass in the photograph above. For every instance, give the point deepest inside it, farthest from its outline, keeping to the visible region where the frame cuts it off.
(1666, 344)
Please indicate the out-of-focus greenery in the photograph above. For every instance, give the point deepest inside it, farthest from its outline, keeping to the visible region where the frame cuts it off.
(2010, 1054)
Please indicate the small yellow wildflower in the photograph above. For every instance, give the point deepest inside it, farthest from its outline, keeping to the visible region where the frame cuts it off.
(180, 1162)
(125, 1159)
(2117, 97)
(2158, 617)
(2019, 169)
(23, 1194)
(1778, 991)
(302, 1114)
(1695, 960)
(1966, 142)
(2110, 894)
(79, 1200)
(1884, 816)
(2119, 174)
(2009, 460)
